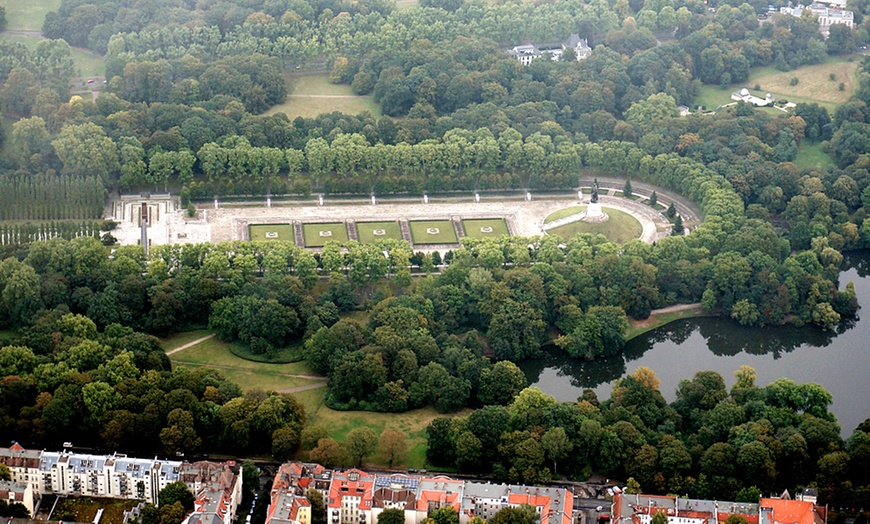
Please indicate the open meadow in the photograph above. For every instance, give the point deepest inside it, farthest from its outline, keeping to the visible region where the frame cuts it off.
(28, 16)
(311, 95)
(216, 354)
(412, 423)
(814, 85)
(811, 156)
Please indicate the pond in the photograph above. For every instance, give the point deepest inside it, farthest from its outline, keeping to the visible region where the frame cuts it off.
(839, 361)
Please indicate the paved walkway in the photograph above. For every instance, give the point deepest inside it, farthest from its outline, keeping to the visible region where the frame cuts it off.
(189, 344)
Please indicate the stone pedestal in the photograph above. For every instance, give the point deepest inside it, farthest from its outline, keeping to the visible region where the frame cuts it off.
(594, 210)
(594, 213)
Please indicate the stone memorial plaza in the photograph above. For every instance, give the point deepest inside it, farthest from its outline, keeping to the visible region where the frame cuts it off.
(438, 224)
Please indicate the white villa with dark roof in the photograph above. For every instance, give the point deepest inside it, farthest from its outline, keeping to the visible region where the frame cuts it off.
(528, 52)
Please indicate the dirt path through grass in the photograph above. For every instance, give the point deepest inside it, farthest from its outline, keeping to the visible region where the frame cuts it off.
(189, 344)
(221, 366)
(306, 387)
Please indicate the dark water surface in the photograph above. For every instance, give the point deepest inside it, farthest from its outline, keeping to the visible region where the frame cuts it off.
(839, 361)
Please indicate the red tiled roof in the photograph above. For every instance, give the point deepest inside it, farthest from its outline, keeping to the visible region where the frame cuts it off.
(790, 511)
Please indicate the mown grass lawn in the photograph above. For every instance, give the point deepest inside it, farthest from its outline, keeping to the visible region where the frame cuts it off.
(339, 423)
(814, 85)
(216, 354)
(424, 232)
(639, 327)
(28, 15)
(317, 235)
(312, 95)
(485, 228)
(562, 213)
(285, 232)
(179, 339)
(811, 156)
(366, 231)
(620, 227)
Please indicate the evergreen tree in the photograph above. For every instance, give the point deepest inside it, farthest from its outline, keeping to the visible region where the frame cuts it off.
(678, 226)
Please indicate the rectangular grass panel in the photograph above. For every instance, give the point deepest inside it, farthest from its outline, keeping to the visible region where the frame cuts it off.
(432, 232)
(369, 232)
(485, 228)
(271, 232)
(318, 234)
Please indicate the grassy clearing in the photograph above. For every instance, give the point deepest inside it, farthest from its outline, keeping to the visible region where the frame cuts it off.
(28, 15)
(286, 355)
(339, 423)
(485, 228)
(84, 509)
(87, 64)
(318, 234)
(562, 213)
(814, 81)
(214, 353)
(811, 156)
(656, 320)
(366, 231)
(432, 232)
(312, 95)
(620, 227)
(179, 339)
(268, 231)
(814, 85)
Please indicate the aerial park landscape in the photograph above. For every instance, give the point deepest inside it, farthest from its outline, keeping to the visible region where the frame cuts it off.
(614, 246)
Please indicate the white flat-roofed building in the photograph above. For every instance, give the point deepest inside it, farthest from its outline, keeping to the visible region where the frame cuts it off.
(116, 476)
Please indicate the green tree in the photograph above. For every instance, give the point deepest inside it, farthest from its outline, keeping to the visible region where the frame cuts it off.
(5, 472)
(678, 228)
(176, 492)
(318, 508)
(626, 189)
(85, 149)
(391, 516)
(468, 451)
(311, 435)
(523, 514)
(501, 383)
(285, 441)
(445, 515)
(556, 445)
(361, 443)
(660, 517)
